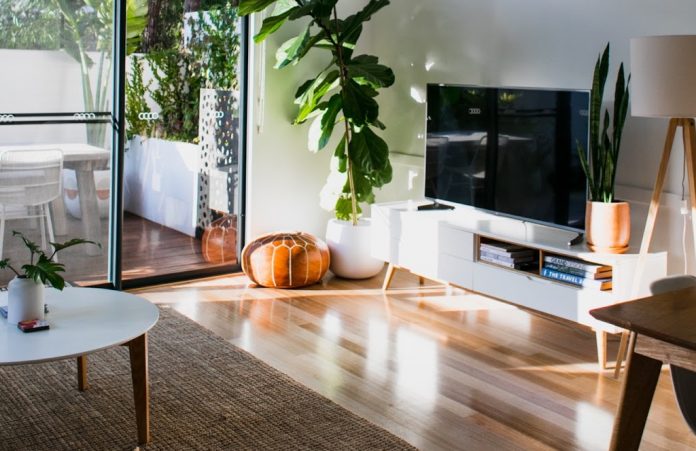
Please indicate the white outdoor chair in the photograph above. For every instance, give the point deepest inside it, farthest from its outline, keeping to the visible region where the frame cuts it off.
(29, 181)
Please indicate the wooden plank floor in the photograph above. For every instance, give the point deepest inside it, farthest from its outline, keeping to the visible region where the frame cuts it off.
(443, 368)
(149, 249)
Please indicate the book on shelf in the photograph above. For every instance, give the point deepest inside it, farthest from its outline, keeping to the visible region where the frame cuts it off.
(507, 259)
(578, 271)
(604, 284)
(509, 264)
(572, 263)
(506, 250)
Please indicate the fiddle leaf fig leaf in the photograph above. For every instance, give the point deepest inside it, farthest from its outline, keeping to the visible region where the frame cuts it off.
(365, 69)
(247, 7)
(328, 120)
(344, 209)
(358, 104)
(341, 155)
(313, 92)
(368, 151)
(273, 23)
(288, 53)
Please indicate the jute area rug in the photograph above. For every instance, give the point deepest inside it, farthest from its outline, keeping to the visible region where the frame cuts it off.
(205, 394)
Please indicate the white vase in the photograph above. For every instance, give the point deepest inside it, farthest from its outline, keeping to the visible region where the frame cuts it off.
(351, 249)
(25, 300)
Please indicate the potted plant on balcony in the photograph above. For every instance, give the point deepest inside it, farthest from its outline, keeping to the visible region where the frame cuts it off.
(341, 96)
(25, 293)
(607, 221)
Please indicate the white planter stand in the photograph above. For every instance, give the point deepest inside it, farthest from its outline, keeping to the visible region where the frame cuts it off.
(25, 300)
(161, 182)
(351, 249)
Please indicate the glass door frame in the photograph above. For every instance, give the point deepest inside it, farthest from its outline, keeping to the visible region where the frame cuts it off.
(115, 258)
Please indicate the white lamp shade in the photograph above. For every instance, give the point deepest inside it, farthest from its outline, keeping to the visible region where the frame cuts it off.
(663, 76)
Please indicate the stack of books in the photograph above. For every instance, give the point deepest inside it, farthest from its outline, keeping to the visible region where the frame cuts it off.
(583, 274)
(508, 255)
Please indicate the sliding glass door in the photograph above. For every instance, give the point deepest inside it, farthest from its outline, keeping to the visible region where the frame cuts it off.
(55, 91)
(166, 205)
(182, 187)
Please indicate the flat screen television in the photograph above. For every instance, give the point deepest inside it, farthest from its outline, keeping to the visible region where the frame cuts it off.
(511, 151)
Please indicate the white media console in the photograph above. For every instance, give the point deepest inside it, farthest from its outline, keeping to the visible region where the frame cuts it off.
(444, 245)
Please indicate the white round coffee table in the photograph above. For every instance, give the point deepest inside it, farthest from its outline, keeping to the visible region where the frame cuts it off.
(82, 321)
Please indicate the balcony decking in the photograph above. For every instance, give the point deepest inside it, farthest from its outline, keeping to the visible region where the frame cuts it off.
(149, 249)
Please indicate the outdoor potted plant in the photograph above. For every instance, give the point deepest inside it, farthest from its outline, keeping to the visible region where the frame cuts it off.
(607, 221)
(341, 96)
(25, 292)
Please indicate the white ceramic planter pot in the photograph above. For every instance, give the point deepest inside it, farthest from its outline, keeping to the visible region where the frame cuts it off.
(25, 300)
(351, 249)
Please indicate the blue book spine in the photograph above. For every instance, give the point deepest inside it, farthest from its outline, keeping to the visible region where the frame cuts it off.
(570, 278)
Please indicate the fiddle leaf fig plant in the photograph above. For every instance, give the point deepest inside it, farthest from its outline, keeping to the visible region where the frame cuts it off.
(600, 167)
(341, 96)
(41, 267)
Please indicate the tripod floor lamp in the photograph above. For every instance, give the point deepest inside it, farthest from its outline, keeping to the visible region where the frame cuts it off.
(663, 75)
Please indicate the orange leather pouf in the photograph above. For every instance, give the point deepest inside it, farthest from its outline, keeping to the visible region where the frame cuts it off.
(285, 260)
(219, 242)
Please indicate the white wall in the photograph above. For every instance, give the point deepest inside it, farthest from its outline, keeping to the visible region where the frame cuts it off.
(534, 43)
(40, 81)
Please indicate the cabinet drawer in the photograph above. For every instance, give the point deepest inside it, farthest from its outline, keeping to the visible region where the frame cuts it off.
(455, 270)
(456, 242)
(529, 291)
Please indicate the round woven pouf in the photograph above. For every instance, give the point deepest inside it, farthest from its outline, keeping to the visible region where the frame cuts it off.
(285, 260)
(219, 242)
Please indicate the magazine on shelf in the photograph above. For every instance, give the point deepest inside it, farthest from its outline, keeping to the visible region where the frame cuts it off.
(509, 264)
(578, 271)
(507, 259)
(506, 251)
(570, 262)
(604, 284)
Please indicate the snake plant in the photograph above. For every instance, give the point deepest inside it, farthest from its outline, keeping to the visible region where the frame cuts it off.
(600, 165)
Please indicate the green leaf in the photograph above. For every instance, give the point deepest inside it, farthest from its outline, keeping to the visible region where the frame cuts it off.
(358, 105)
(344, 208)
(313, 93)
(368, 151)
(365, 69)
(71, 243)
(328, 120)
(247, 7)
(288, 53)
(352, 23)
(272, 24)
(341, 154)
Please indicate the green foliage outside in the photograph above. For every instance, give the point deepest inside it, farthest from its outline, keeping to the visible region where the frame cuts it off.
(209, 59)
(29, 24)
(136, 90)
(342, 95)
(600, 167)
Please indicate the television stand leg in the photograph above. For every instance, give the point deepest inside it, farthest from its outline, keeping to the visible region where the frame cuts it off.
(577, 239)
(388, 276)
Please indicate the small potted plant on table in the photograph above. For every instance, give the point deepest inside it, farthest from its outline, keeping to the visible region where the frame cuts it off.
(25, 293)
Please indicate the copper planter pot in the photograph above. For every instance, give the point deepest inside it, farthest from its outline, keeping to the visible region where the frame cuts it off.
(608, 226)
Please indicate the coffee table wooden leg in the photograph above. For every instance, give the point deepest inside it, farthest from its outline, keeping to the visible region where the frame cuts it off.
(141, 389)
(82, 384)
(637, 393)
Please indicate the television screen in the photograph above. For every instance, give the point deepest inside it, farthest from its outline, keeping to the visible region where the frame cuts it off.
(508, 150)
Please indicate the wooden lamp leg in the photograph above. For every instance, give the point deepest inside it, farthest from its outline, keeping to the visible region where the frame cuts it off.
(689, 147)
(650, 224)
